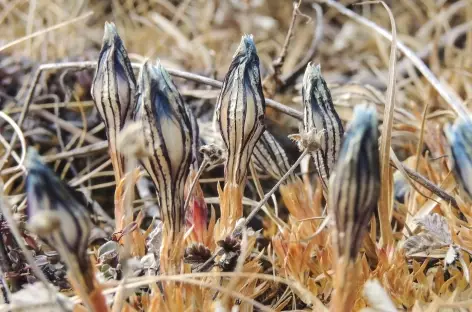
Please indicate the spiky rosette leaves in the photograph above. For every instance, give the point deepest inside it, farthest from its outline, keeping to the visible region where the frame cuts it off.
(168, 134)
(355, 183)
(114, 87)
(460, 139)
(58, 214)
(240, 110)
(320, 115)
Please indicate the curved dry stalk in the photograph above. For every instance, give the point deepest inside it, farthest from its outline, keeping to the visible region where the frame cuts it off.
(276, 186)
(317, 37)
(441, 87)
(18, 131)
(385, 204)
(194, 182)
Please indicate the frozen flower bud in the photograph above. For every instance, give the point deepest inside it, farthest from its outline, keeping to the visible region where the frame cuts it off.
(114, 84)
(460, 138)
(240, 110)
(354, 186)
(167, 131)
(270, 157)
(320, 115)
(54, 207)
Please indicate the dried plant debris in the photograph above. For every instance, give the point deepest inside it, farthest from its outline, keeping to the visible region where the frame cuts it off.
(36, 297)
(198, 256)
(436, 235)
(166, 151)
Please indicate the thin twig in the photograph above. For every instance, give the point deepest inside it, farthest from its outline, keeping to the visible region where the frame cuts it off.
(317, 37)
(43, 31)
(279, 62)
(78, 152)
(276, 186)
(17, 130)
(194, 182)
(417, 177)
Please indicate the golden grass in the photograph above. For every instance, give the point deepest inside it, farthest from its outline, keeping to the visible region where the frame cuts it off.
(419, 80)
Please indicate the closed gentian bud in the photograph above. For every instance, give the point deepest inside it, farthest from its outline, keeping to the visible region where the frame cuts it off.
(240, 110)
(167, 131)
(320, 115)
(114, 86)
(58, 214)
(460, 139)
(270, 157)
(355, 183)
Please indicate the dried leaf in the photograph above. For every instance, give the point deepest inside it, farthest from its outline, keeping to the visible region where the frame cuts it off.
(436, 235)
(423, 242)
(437, 225)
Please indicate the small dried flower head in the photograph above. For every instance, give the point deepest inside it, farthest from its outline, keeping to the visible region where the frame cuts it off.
(310, 140)
(197, 254)
(460, 138)
(114, 84)
(53, 206)
(270, 157)
(213, 154)
(167, 131)
(240, 110)
(355, 183)
(320, 114)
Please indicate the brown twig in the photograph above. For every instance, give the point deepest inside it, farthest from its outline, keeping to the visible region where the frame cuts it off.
(423, 181)
(317, 37)
(279, 62)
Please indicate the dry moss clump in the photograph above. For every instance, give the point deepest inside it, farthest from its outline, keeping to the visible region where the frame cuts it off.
(155, 157)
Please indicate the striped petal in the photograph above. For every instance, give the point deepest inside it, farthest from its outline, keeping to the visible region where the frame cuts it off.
(320, 114)
(240, 110)
(168, 133)
(355, 182)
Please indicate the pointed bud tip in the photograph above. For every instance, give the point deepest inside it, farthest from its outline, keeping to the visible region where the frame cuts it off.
(313, 71)
(161, 70)
(110, 33)
(32, 158)
(247, 46)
